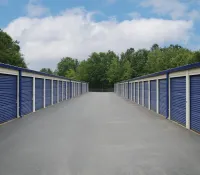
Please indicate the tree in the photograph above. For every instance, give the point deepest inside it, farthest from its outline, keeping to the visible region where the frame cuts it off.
(113, 73)
(66, 64)
(10, 51)
(71, 74)
(46, 70)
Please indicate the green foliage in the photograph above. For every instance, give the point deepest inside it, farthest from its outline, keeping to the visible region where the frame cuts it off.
(71, 74)
(10, 51)
(47, 70)
(65, 65)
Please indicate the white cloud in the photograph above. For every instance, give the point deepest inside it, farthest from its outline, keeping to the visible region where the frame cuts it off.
(174, 8)
(44, 41)
(35, 9)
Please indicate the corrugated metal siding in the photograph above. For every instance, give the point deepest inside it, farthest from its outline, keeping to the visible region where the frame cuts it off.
(39, 93)
(162, 97)
(146, 94)
(26, 95)
(54, 91)
(153, 95)
(8, 100)
(178, 99)
(136, 92)
(60, 90)
(133, 90)
(195, 103)
(141, 89)
(47, 92)
(64, 90)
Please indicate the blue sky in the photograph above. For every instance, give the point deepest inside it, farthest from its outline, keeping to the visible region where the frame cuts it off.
(51, 29)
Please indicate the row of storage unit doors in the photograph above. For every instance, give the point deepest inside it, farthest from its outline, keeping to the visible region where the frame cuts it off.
(167, 98)
(46, 92)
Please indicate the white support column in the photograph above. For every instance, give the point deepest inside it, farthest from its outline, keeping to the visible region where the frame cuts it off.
(149, 95)
(57, 91)
(62, 90)
(44, 100)
(18, 97)
(143, 93)
(33, 94)
(187, 100)
(157, 96)
(52, 92)
(169, 112)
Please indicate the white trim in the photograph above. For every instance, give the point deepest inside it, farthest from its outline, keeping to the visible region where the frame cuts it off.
(157, 96)
(134, 91)
(18, 96)
(177, 74)
(51, 92)
(151, 78)
(195, 71)
(149, 95)
(44, 99)
(187, 100)
(66, 90)
(33, 94)
(131, 91)
(8, 71)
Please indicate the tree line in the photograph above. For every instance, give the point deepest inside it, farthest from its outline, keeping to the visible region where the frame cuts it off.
(103, 69)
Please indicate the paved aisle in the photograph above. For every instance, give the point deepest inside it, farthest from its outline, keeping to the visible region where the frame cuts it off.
(97, 134)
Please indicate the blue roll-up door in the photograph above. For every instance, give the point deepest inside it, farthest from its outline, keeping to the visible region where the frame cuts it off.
(26, 95)
(133, 90)
(48, 92)
(60, 90)
(163, 97)
(136, 92)
(146, 94)
(178, 99)
(140, 94)
(153, 95)
(64, 90)
(195, 103)
(39, 93)
(8, 100)
(55, 91)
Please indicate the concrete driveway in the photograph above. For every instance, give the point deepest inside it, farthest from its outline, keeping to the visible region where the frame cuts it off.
(97, 134)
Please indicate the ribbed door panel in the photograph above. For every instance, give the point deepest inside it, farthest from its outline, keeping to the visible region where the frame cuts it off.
(26, 95)
(47, 92)
(163, 97)
(136, 92)
(55, 91)
(8, 100)
(178, 99)
(64, 90)
(133, 90)
(153, 95)
(140, 94)
(39, 93)
(60, 90)
(195, 103)
(146, 94)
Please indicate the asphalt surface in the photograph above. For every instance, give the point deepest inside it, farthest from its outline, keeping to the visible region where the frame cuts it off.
(97, 134)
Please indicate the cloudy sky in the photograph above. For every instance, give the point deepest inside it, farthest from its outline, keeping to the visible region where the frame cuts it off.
(51, 29)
